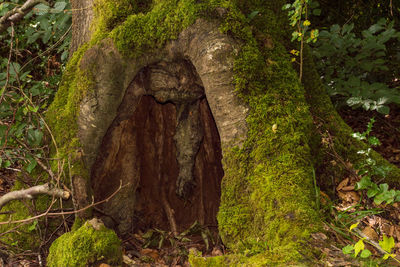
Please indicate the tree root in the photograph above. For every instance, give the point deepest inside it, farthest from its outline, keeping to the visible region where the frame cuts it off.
(169, 212)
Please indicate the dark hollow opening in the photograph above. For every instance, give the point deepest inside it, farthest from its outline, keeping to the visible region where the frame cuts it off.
(165, 144)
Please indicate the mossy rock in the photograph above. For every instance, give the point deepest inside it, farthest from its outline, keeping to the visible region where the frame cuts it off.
(89, 244)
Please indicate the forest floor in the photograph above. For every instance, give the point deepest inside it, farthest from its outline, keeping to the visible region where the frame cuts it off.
(352, 208)
(161, 248)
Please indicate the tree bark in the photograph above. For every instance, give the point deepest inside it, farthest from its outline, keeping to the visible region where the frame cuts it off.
(81, 20)
(200, 114)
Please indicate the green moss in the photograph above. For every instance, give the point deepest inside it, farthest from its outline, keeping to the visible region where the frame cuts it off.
(86, 246)
(143, 32)
(198, 261)
(109, 14)
(267, 206)
(260, 259)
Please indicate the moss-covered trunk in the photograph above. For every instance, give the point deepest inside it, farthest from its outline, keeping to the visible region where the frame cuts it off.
(159, 89)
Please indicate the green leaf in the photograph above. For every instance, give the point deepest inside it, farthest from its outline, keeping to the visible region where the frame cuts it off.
(161, 241)
(44, 23)
(384, 187)
(347, 249)
(33, 226)
(386, 256)
(352, 101)
(59, 6)
(316, 12)
(335, 28)
(32, 38)
(373, 141)
(359, 246)
(33, 109)
(373, 191)
(354, 226)
(364, 183)
(383, 110)
(7, 164)
(32, 164)
(358, 136)
(253, 14)
(41, 9)
(365, 253)
(35, 137)
(374, 28)
(205, 239)
(387, 244)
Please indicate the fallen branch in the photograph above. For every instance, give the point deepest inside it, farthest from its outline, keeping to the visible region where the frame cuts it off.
(30, 192)
(17, 13)
(47, 213)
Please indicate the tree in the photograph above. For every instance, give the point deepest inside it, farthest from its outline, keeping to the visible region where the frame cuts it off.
(158, 93)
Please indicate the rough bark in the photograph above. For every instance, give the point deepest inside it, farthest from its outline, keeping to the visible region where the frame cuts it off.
(161, 109)
(181, 113)
(81, 20)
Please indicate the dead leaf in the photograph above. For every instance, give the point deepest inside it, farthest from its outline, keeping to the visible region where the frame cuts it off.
(342, 184)
(128, 260)
(351, 196)
(274, 128)
(370, 232)
(319, 236)
(397, 232)
(324, 198)
(216, 252)
(391, 231)
(385, 228)
(349, 165)
(348, 188)
(150, 253)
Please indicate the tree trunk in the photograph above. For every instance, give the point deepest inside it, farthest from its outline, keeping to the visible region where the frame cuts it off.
(201, 116)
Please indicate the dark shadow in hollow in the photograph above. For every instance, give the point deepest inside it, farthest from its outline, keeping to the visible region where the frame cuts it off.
(140, 148)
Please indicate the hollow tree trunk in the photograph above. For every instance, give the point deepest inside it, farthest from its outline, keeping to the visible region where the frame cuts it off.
(200, 115)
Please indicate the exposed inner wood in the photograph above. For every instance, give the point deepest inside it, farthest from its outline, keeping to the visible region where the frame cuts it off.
(166, 146)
